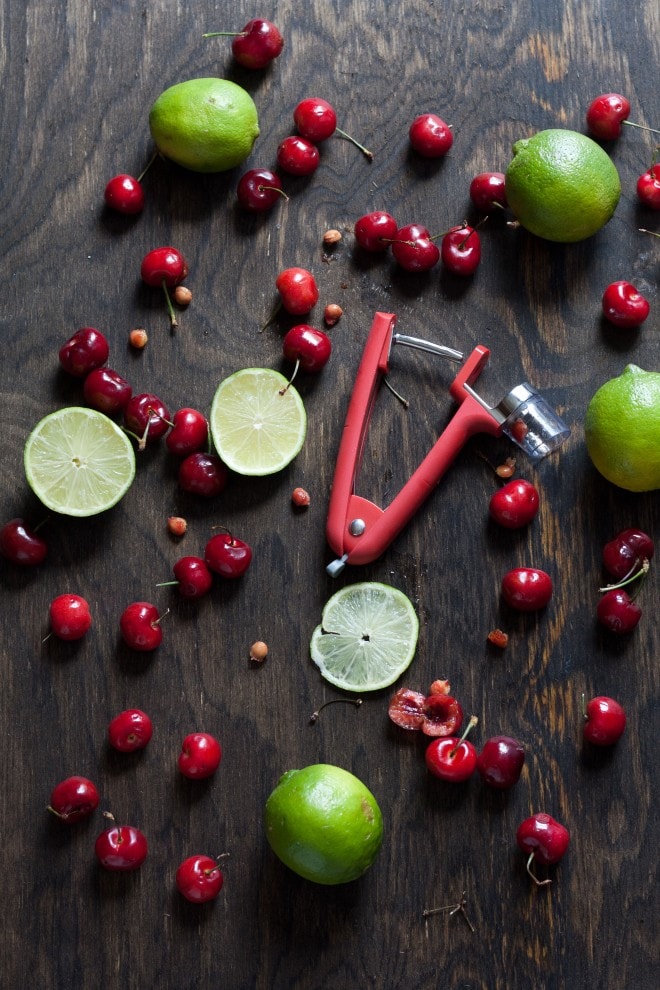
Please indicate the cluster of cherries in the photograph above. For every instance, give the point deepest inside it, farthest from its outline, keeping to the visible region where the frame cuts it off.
(308, 347)
(122, 848)
(626, 558)
(414, 247)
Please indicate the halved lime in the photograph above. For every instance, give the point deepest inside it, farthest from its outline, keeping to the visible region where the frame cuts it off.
(367, 636)
(78, 461)
(258, 421)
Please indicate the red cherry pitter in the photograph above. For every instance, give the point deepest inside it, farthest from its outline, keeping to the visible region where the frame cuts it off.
(360, 531)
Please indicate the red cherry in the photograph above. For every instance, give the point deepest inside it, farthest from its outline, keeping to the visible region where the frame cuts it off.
(545, 839)
(375, 231)
(414, 249)
(605, 721)
(515, 504)
(648, 187)
(140, 626)
(624, 306)
(193, 577)
(85, 350)
(308, 347)
(121, 848)
(200, 755)
(70, 617)
(259, 189)
(73, 799)
(606, 114)
(500, 762)
(460, 250)
(298, 290)
(189, 432)
(625, 554)
(406, 709)
(124, 194)
(527, 589)
(452, 759)
(487, 190)
(442, 715)
(146, 417)
(22, 545)
(257, 45)
(617, 612)
(203, 474)
(315, 119)
(130, 730)
(165, 267)
(228, 556)
(430, 136)
(297, 156)
(199, 879)
(106, 390)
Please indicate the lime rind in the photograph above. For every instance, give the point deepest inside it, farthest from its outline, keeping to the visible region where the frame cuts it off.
(367, 637)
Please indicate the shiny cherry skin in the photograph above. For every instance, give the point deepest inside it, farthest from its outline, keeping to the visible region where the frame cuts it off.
(515, 504)
(106, 390)
(626, 553)
(451, 759)
(257, 45)
(297, 156)
(606, 114)
(73, 799)
(199, 879)
(193, 577)
(227, 556)
(121, 848)
(460, 250)
(70, 618)
(617, 612)
(429, 136)
(21, 544)
(124, 194)
(259, 189)
(374, 232)
(130, 730)
(487, 190)
(200, 755)
(624, 306)
(648, 187)
(309, 347)
(315, 119)
(414, 249)
(526, 589)
(140, 626)
(203, 473)
(500, 762)
(163, 265)
(87, 349)
(147, 417)
(298, 290)
(543, 838)
(189, 432)
(605, 721)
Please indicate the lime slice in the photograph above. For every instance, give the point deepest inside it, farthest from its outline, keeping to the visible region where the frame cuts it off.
(258, 421)
(367, 637)
(78, 461)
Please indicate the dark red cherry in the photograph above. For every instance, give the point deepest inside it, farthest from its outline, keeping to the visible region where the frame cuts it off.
(106, 390)
(85, 350)
(22, 545)
(500, 762)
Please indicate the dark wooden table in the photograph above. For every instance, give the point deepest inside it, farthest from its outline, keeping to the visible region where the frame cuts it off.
(78, 80)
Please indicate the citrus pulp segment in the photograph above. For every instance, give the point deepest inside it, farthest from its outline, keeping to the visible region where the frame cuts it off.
(258, 421)
(78, 461)
(367, 637)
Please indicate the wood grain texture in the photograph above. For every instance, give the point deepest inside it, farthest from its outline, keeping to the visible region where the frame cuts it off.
(77, 83)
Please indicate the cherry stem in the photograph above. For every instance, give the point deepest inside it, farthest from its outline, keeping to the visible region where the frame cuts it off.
(369, 155)
(539, 883)
(314, 717)
(273, 316)
(468, 728)
(632, 575)
(404, 402)
(458, 908)
(225, 34)
(281, 192)
(170, 307)
(166, 584)
(643, 230)
(147, 166)
(295, 372)
(642, 127)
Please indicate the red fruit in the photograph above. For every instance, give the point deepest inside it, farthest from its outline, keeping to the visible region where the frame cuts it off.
(228, 556)
(414, 249)
(259, 189)
(140, 626)
(200, 755)
(193, 577)
(625, 554)
(189, 432)
(298, 290)
(618, 612)
(199, 879)
(606, 114)
(85, 350)
(430, 136)
(73, 799)
(124, 194)
(527, 589)
(130, 730)
(545, 839)
(297, 156)
(648, 188)
(70, 617)
(22, 545)
(106, 390)
(605, 721)
(500, 762)
(452, 759)
(515, 504)
(460, 250)
(163, 265)
(121, 848)
(442, 715)
(308, 347)
(406, 709)
(147, 417)
(487, 190)
(315, 119)
(203, 474)
(257, 45)
(374, 232)
(624, 306)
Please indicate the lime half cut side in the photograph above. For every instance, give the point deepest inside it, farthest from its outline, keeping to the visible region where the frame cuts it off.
(258, 421)
(367, 637)
(78, 462)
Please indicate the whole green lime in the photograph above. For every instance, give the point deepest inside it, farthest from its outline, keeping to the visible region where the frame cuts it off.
(561, 185)
(622, 429)
(324, 824)
(207, 125)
